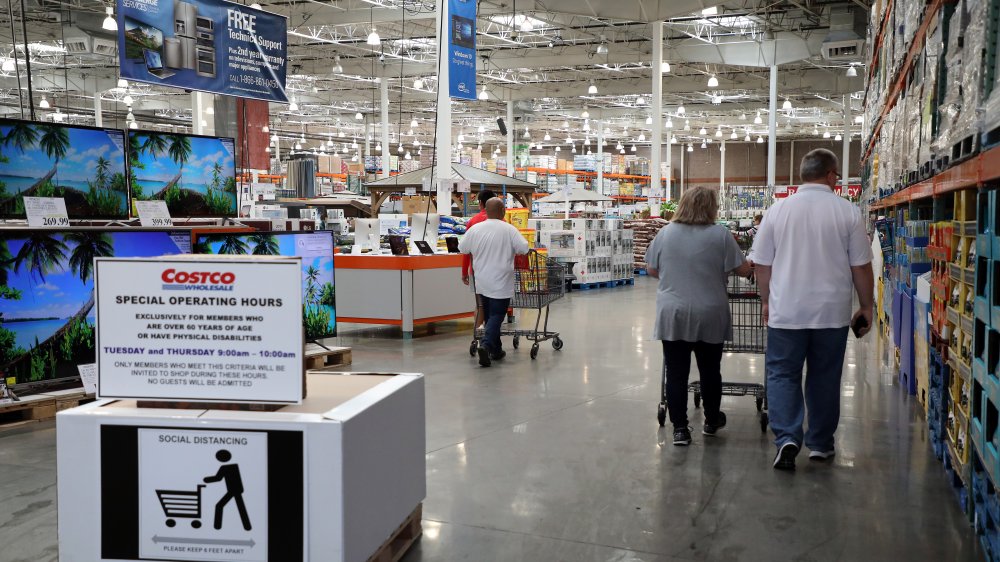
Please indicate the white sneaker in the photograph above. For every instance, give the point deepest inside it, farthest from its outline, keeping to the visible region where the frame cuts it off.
(821, 455)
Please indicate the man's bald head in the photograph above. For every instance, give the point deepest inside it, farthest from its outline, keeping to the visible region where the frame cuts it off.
(495, 208)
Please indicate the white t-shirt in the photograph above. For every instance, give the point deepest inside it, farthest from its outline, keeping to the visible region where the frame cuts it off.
(493, 244)
(811, 240)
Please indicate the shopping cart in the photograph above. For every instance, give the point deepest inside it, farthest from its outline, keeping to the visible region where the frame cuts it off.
(749, 336)
(181, 505)
(538, 281)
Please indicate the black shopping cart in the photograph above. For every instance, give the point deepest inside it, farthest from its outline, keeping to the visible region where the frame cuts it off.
(749, 336)
(181, 505)
(538, 281)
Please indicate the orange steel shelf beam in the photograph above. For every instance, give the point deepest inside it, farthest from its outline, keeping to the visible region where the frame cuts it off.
(904, 70)
(982, 168)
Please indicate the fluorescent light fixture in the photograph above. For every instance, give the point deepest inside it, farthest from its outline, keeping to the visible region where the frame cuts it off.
(713, 82)
(109, 21)
(373, 38)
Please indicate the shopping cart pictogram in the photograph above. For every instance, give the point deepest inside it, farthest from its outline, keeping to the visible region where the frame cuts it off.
(179, 504)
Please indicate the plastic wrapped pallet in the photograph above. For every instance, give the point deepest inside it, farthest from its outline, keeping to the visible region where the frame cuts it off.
(644, 230)
(933, 51)
(951, 104)
(973, 50)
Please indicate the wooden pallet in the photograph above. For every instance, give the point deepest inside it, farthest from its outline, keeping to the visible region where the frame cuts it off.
(29, 409)
(401, 539)
(319, 359)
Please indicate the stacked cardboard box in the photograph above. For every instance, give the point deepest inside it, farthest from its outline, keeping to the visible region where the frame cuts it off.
(645, 230)
(599, 249)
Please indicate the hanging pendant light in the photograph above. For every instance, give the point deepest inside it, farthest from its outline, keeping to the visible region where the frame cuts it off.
(44, 103)
(373, 39)
(337, 67)
(718, 133)
(702, 131)
(757, 120)
(826, 134)
(294, 106)
(110, 24)
(852, 72)
(592, 89)
(687, 125)
(669, 124)
(733, 135)
(642, 137)
(547, 137)
(838, 137)
(713, 82)
(703, 145)
(265, 129)
(690, 147)
(746, 138)
(760, 139)
(787, 106)
(358, 116)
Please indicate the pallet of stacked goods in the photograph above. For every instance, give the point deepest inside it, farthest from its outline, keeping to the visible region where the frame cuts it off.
(644, 230)
(912, 261)
(991, 78)
(586, 246)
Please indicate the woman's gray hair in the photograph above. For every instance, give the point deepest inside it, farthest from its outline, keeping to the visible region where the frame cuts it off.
(817, 164)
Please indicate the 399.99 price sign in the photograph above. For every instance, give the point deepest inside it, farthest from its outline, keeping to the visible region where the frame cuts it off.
(211, 330)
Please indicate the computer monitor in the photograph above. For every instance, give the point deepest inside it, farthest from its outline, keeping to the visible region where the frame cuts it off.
(140, 36)
(153, 59)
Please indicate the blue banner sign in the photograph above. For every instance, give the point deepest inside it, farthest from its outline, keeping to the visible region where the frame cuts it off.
(462, 49)
(208, 45)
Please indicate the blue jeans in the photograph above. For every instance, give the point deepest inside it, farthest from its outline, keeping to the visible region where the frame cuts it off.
(822, 352)
(495, 311)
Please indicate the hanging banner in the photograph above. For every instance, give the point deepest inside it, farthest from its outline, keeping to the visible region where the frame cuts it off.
(462, 49)
(209, 45)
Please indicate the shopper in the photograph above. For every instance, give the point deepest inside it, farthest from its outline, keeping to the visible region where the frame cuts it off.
(493, 245)
(691, 257)
(484, 196)
(808, 254)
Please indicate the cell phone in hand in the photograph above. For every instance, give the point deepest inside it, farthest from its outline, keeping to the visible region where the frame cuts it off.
(859, 324)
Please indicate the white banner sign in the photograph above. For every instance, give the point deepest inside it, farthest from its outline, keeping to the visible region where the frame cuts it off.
(203, 495)
(211, 329)
(46, 211)
(153, 213)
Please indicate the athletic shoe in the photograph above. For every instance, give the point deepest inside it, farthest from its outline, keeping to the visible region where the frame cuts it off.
(499, 355)
(821, 455)
(713, 428)
(484, 357)
(682, 436)
(785, 459)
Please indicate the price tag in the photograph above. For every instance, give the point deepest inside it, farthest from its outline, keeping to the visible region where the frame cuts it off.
(410, 191)
(425, 184)
(153, 213)
(448, 186)
(46, 211)
(88, 374)
(463, 186)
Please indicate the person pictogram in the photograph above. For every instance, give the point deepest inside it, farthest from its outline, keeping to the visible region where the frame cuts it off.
(230, 475)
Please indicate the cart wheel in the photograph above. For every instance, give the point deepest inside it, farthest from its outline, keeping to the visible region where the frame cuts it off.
(557, 344)
(534, 350)
(661, 414)
(697, 400)
(473, 348)
(517, 342)
(763, 422)
(760, 404)
(196, 524)
(171, 522)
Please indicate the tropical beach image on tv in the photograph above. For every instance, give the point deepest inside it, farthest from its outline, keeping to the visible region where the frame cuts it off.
(47, 294)
(319, 295)
(83, 165)
(195, 175)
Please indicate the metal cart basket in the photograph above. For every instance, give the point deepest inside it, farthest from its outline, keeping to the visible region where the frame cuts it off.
(538, 281)
(181, 505)
(749, 336)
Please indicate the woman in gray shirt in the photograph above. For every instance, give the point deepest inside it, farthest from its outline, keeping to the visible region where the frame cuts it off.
(691, 257)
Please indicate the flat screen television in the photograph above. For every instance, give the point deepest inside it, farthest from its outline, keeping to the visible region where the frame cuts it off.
(319, 314)
(47, 293)
(140, 36)
(195, 175)
(83, 165)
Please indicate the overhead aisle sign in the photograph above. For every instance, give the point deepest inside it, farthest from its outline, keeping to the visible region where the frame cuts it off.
(209, 45)
(462, 49)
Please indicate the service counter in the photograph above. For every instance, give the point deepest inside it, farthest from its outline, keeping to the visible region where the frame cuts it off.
(401, 291)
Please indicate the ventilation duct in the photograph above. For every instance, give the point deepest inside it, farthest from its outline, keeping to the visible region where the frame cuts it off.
(844, 42)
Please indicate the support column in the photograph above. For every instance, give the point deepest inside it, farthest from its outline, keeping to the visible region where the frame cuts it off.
(656, 108)
(846, 153)
(772, 128)
(200, 101)
(791, 162)
(722, 167)
(670, 170)
(442, 150)
(384, 107)
(98, 111)
(682, 179)
(599, 188)
(511, 163)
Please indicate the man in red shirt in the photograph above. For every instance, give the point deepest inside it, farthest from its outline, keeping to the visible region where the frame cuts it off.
(484, 196)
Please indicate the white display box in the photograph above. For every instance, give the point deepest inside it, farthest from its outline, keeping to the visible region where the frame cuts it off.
(566, 244)
(327, 480)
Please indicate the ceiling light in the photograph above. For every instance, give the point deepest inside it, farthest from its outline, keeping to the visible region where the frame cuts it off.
(483, 94)
(838, 137)
(558, 149)
(586, 141)
(265, 129)
(565, 125)
(703, 145)
(274, 137)
(602, 49)
(358, 116)
(716, 100)
(669, 124)
(642, 137)
(294, 106)
(607, 130)
(132, 125)
(547, 136)
(713, 82)
(718, 133)
(130, 116)
(298, 146)
(526, 25)
(743, 116)
(619, 146)
(8, 65)
(592, 89)
(622, 151)
(690, 147)
(127, 100)
(589, 152)
(649, 120)
(355, 144)
(413, 124)
(378, 147)
(482, 130)
(109, 21)
(664, 67)
(687, 125)
(816, 131)
(44, 103)
(574, 149)
(407, 156)
(826, 134)
(746, 138)
(122, 83)
(673, 139)
(640, 100)
(209, 110)
(342, 134)
(702, 131)
(337, 67)
(415, 143)
(757, 120)
(787, 106)
(526, 134)
(585, 114)
(586, 125)
(400, 150)
(418, 83)
(256, 6)
(329, 142)
(733, 135)
(373, 38)
(859, 119)
(680, 110)
(633, 148)
(267, 149)
(712, 11)
(851, 72)
(461, 137)
(760, 139)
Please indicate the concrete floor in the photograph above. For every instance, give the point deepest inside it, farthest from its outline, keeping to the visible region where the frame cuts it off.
(561, 459)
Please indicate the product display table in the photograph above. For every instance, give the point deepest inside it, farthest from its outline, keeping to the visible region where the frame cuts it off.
(401, 290)
(330, 479)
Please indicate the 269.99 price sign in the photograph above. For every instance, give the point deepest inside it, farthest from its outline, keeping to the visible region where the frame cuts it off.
(47, 212)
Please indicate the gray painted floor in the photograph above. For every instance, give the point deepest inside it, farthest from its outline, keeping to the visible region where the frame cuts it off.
(561, 459)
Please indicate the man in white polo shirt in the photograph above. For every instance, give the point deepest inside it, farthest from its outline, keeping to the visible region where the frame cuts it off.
(493, 245)
(811, 251)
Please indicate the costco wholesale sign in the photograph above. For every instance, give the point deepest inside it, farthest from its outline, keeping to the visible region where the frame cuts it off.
(209, 45)
(203, 330)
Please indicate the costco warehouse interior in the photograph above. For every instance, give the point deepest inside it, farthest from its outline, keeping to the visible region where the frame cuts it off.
(421, 280)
